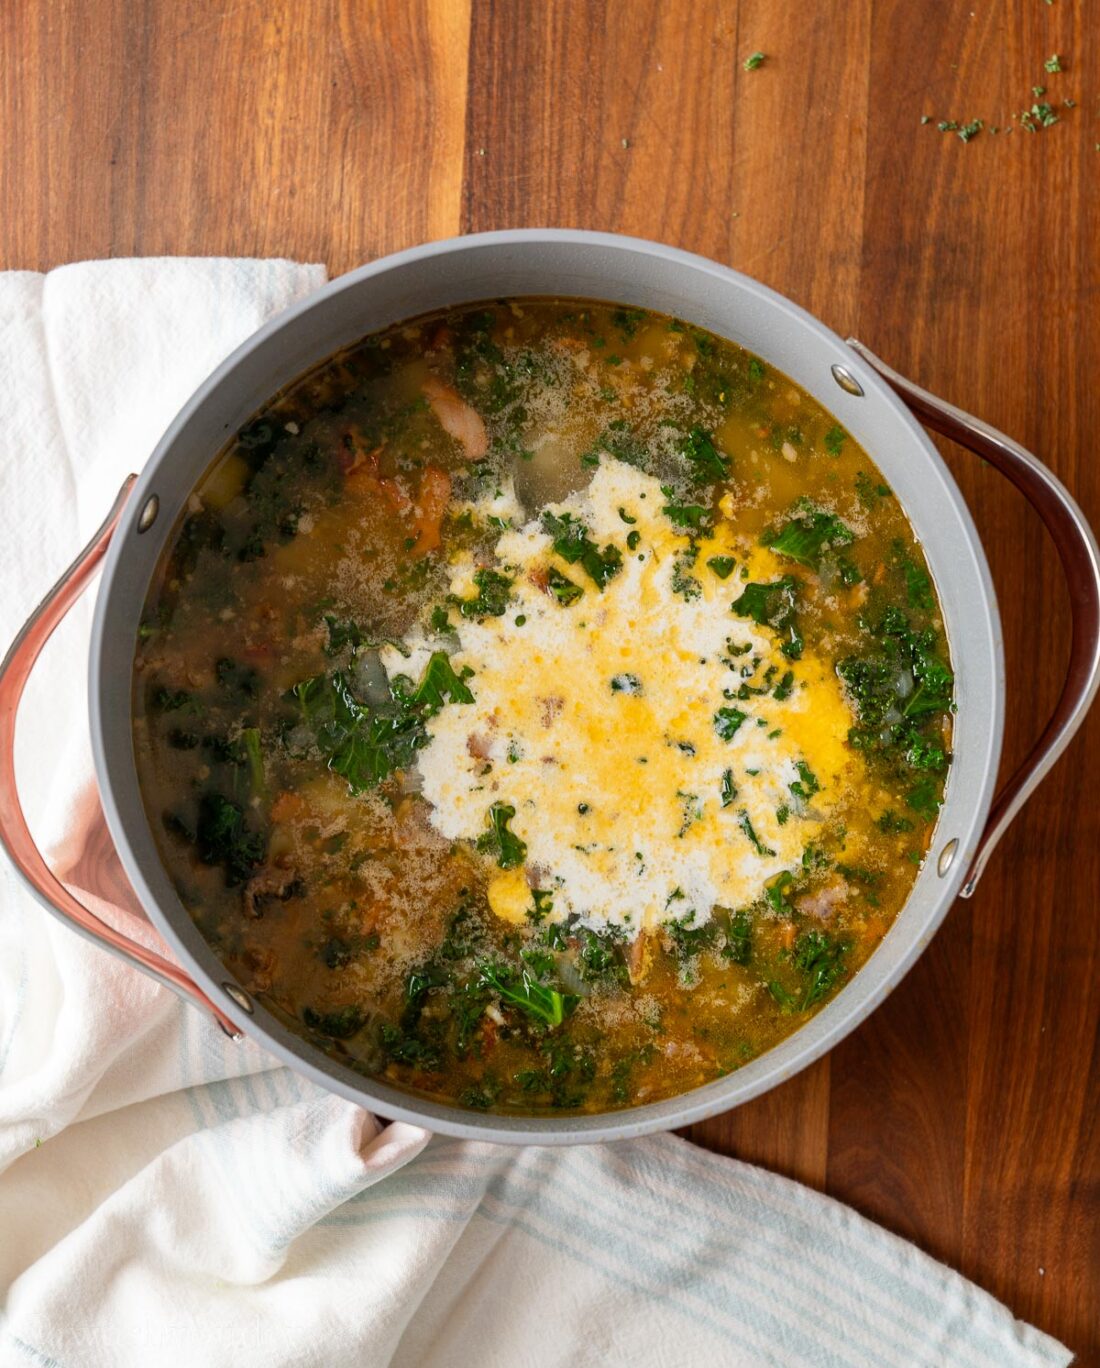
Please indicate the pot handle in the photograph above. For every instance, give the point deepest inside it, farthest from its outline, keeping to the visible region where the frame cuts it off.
(1080, 558)
(15, 835)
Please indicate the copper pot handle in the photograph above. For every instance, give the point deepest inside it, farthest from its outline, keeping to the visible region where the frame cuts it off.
(15, 835)
(1080, 558)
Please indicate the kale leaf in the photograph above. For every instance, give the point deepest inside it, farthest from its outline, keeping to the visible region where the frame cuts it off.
(491, 599)
(692, 517)
(807, 537)
(340, 1024)
(509, 850)
(522, 990)
(774, 605)
(223, 837)
(901, 691)
(727, 721)
(706, 462)
(573, 544)
(821, 962)
(563, 588)
(367, 743)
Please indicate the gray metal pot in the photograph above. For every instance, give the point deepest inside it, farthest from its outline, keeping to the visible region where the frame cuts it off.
(843, 377)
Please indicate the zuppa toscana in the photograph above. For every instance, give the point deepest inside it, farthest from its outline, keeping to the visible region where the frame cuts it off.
(543, 705)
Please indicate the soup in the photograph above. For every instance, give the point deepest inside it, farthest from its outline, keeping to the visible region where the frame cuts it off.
(543, 706)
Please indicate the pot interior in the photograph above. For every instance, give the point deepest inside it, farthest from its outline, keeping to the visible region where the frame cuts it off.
(562, 263)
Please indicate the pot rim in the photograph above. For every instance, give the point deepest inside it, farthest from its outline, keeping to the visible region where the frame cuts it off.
(808, 1042)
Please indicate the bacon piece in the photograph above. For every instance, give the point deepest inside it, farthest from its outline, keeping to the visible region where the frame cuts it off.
(270, 882)
(477, 746)
(364, 484)
(456, 417)
(439, 338)
(432, 498)
(287, 806)
(637, 961)
(823, 901)
(353, 453)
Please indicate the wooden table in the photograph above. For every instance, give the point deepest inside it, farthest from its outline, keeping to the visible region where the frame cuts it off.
(963, 1115)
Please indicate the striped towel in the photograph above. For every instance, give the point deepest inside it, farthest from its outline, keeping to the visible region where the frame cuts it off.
(170, 1198)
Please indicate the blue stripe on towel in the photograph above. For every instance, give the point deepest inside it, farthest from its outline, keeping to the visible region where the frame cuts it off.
(917, 1312)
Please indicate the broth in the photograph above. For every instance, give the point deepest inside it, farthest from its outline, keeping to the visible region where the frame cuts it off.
(543, 706)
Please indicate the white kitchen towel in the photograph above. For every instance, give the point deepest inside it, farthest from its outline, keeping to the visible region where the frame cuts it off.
(168, 1197)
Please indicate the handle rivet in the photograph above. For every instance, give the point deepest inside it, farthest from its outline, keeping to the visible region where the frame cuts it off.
(148, 513)
(239, 996)
(947, 856)
(846, 380)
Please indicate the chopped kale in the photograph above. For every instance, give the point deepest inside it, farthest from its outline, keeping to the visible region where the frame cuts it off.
(417, 986)
(343, 636)
(619, 442)
(163, 699)
(806, 785)
(727, 721)
(438, 687)
(338, 952)
(918, 586)
(542, 904)
(870, 491)
(340, 1024)
(687, 939)
(403, 1048)
(775, 891)
(481, 1097)
(364, 743)
(522, 990)
(900, 690)
(223, 837)
(773, 605)
(500, 841)
(849, 571)
(705, 461)
(745, 823)
(820, 960)
(924, 799)
(807, 537)
(493, 593)
(236, 679)
(738, 946)
(600, 957)
(563, 588)
(628, 320)
(573, 544)
(694, 517)
(626, 683)
(683, 582)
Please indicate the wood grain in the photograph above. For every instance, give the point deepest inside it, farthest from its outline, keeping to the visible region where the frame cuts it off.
(963, 1114)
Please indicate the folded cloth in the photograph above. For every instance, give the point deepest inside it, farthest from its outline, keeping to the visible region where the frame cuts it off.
(169, 1197)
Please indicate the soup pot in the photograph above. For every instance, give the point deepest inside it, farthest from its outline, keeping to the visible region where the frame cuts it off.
(881, 410)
